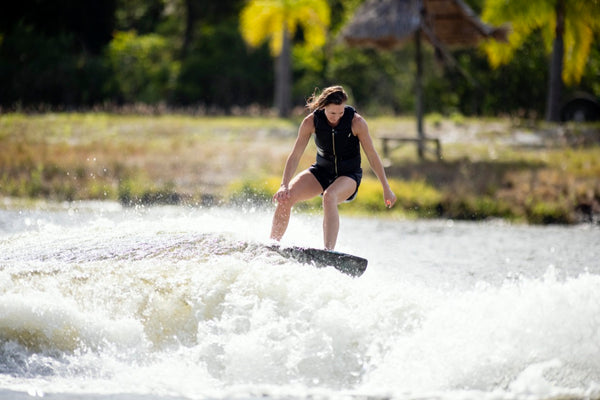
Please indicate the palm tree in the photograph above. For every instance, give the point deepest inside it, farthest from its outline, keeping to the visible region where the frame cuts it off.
(567, 26)
(278, 21)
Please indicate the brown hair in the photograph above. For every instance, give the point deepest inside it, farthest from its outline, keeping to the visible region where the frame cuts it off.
(330, 95)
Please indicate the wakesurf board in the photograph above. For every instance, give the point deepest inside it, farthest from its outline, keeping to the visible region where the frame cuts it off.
(347, 263)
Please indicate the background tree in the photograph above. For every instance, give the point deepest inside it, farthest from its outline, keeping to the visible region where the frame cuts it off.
(144, 68)
(278, 21)
(199, 13)
(568, 28)
(51, 52)
(60, 54)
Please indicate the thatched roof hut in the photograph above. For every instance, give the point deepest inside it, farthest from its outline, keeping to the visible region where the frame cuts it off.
(388, 24)
(455, 24)
(383, 24)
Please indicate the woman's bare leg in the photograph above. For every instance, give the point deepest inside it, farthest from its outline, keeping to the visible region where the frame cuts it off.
(338, 192)
(303, 187)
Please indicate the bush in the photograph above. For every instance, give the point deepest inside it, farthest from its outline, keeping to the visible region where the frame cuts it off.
(254, 191)
(415, 197)
(43, 70)
(138, 190)
(475, 208)
(554, 212)
(144, 66)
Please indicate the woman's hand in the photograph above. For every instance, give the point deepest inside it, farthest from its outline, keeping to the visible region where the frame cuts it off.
(282, 195)
(389, 197)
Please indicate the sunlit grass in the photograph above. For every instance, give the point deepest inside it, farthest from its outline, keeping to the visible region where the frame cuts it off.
(239, 160)
(74, 156)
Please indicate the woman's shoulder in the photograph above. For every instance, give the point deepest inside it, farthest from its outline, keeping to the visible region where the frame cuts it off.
(358, 121)
(310, 118)
(308, 122)
(357, 117)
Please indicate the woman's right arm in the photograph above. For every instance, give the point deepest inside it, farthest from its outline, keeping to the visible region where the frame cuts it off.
(306, 129)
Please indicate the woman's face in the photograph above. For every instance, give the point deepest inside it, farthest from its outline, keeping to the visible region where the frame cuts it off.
(334, 112)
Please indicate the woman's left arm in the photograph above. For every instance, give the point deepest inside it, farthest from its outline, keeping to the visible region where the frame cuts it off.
(361, 130)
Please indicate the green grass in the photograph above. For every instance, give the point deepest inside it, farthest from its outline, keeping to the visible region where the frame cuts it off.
(239, 160)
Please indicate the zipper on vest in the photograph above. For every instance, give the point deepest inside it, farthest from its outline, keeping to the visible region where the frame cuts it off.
(334, 155)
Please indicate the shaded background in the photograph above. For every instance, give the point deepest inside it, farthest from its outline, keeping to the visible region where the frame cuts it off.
(190, 53)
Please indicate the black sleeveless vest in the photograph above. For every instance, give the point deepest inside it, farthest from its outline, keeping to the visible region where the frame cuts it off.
(337, 147)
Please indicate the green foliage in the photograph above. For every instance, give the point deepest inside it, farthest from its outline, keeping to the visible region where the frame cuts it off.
(57, 56)
(379, 82)
(590, 82)
(169, 159)
(37, 68)
(90, 23)
(414, 197)
(254, 191)
(144, 66)
(553, 212)
(136, 190)
(368, 199)
(214, 77)
(581, 162)
(435, 119)
(143, 16)
(582, 21)
(308, 69)
(471, 207)
(418, 196)
(519, 87)
(343, 10)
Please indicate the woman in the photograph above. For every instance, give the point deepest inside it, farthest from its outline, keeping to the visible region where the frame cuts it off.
(339, 132)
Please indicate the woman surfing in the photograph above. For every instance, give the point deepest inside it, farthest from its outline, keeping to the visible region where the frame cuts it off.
(339, 134)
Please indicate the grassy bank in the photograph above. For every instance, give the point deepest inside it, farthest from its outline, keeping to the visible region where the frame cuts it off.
(490, 168)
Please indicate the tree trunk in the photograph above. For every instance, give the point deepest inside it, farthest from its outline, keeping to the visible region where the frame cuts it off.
(556, 66)
(283, 78)
(189, 28)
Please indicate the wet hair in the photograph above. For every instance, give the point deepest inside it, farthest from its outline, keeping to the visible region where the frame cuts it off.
(330, 95)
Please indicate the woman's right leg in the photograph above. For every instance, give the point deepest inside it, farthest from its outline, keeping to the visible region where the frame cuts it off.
(304, 186)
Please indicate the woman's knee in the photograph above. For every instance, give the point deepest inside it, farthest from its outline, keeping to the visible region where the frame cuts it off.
(294, 197)
(330, 198)
(285, 206)
(339, 192)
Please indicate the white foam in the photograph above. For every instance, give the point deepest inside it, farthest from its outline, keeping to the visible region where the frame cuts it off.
(174, 302)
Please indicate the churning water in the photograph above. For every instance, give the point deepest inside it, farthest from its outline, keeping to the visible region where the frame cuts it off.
(100, 302)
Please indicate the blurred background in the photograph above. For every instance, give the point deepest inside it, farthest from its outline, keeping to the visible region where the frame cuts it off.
(199, 101)
(73, 55)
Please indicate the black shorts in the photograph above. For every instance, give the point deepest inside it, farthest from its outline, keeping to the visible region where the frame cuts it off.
(326, 177)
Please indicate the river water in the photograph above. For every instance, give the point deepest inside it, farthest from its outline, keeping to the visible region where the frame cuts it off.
(103, 302)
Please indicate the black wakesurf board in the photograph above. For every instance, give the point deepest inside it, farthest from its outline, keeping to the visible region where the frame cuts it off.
(346, 263)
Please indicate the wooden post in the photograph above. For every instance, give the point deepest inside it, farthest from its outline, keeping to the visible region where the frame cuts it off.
(419, 96)
(384, 144)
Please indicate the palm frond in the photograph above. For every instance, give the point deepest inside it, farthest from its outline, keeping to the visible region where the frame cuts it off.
(264, 20)
(580, 24)
(255, 20)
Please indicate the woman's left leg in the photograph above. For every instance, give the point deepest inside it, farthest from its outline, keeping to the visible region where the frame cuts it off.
(338, 192)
